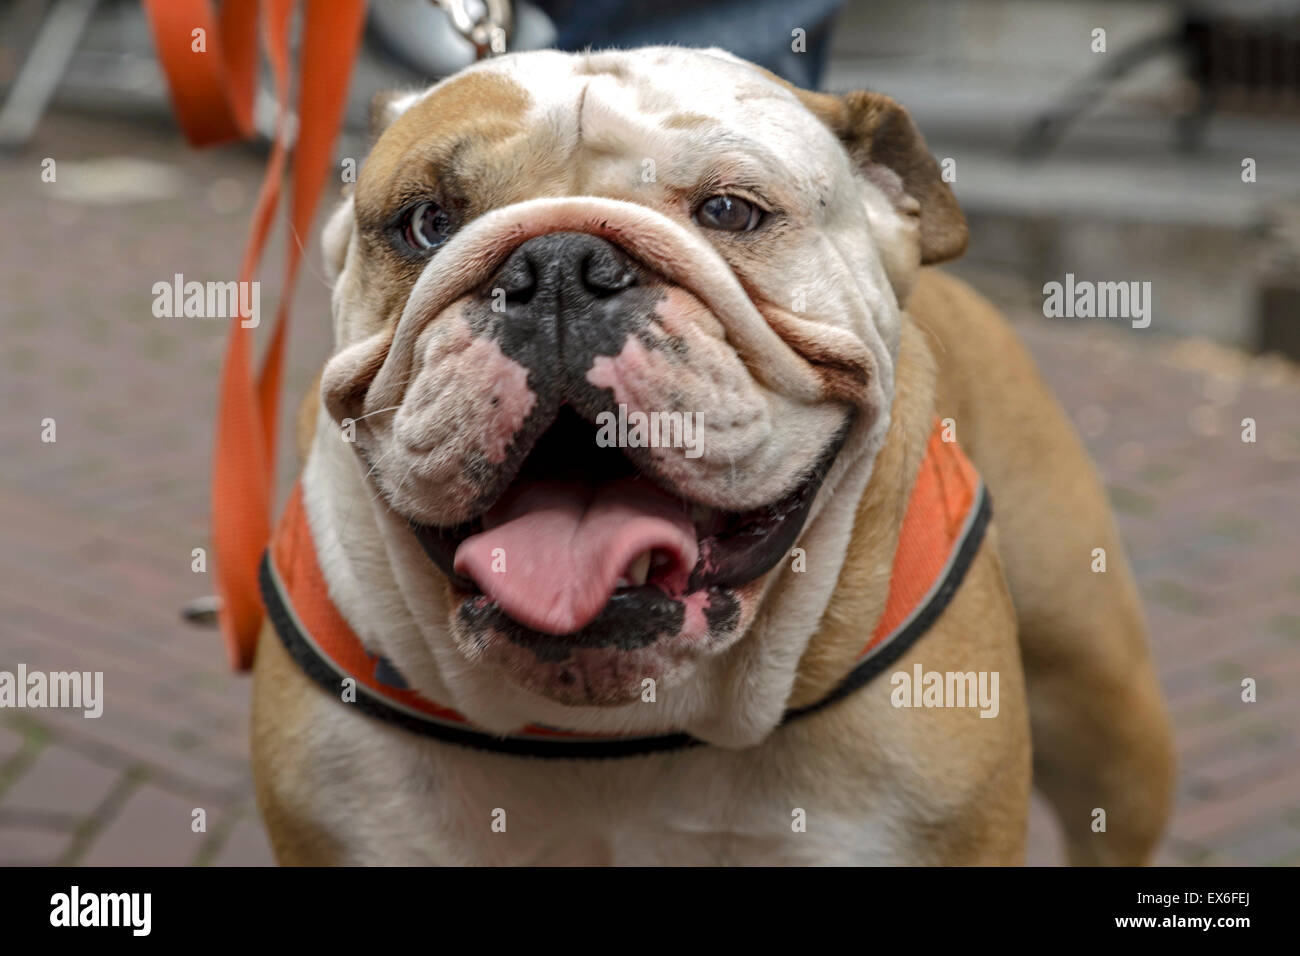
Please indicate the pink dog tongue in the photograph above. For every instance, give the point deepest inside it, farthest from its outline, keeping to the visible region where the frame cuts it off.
(564, 545)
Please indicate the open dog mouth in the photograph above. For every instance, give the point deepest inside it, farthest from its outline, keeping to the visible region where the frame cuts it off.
(584, 545)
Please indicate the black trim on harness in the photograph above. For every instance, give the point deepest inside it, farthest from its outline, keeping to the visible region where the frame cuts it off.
(939, 600)
(302, 650)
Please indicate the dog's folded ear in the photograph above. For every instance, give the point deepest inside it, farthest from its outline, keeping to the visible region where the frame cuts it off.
(889, 150)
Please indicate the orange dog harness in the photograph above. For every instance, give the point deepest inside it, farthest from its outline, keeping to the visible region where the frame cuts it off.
(947, 515)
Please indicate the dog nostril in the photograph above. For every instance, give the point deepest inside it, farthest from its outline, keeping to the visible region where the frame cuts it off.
(521, 295)
(516, 283)
(603, 275)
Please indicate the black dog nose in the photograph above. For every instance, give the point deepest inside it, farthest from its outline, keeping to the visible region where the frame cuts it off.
(558, 303)
(570, 270)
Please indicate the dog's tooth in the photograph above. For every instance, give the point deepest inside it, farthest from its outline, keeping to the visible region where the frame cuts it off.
(621, 583)
(639, 570)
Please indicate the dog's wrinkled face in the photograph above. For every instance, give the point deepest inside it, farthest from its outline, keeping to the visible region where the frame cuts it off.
(604, 324)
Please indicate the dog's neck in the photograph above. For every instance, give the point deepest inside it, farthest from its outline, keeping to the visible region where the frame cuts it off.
(809, 629)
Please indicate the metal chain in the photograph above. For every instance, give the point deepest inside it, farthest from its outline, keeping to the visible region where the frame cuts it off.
(487, 24)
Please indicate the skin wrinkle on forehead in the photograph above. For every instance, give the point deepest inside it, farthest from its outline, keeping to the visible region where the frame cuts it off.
(582, 102)
(640, 120)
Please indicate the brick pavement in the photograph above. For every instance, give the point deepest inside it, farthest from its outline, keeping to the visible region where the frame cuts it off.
(99, 526)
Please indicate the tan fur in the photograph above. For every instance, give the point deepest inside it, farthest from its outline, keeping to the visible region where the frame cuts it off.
(1101, 731)
(481, 106)
(281, 695)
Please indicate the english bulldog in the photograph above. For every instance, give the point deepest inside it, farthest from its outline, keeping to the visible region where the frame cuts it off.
(546, 240)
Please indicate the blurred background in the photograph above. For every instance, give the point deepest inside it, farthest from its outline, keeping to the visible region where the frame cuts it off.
(1122, 165)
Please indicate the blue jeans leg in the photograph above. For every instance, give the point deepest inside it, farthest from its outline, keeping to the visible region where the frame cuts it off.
(758, 30)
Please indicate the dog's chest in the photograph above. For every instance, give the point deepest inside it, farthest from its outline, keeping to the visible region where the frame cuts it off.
(699, 808)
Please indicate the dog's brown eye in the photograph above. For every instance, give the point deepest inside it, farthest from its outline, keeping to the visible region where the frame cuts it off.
(728, 213)
(426, 227)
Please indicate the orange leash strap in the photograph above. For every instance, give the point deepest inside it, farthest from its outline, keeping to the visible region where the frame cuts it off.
(212, 94)
(210, 62)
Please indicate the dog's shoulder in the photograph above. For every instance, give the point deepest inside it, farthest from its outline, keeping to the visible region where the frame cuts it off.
(979, 359)
(949, 308)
